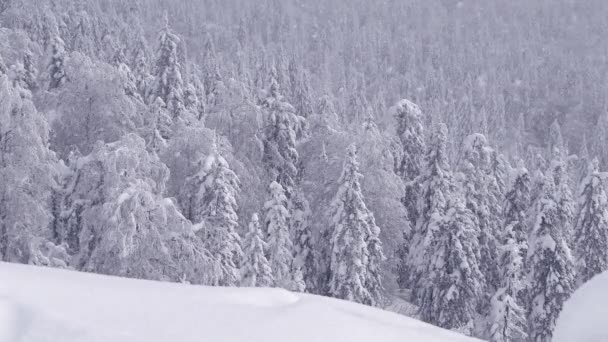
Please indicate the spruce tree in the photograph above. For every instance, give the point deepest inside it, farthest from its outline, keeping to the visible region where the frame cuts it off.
(280, 154)
(559, 173)
(452, 282)
(508, 317)
(222, 221)
(280, 246)
(551, 270)
(517, 202)
(256, 269)
(168, 83)
(591, 230)
(436, 183)
(483, 198)
(355, 249)
(304, 258)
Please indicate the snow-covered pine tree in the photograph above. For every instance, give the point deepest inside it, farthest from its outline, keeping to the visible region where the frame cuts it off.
(168, 82)
(304, 258)
(211, 200)
(452, 282)
(591, 230)
(436, 184)
(256, 269)
(477, 183)
(551, 269)
(280, 154)
(517, 202)
(56, 68)
(355, 248)
(141, 69)
(410, 132)
(280, 246)
(560, 174)
(508, 315)
(375, 259)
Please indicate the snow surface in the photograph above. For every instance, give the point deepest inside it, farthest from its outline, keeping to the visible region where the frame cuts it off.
(584, 316)
(44, 304)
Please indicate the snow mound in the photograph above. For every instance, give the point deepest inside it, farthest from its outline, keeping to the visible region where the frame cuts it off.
(44, 304)
(583, 318)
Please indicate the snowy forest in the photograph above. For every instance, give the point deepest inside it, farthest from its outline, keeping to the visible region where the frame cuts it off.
(439, 158)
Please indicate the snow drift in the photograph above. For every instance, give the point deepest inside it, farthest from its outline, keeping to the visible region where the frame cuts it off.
(583, 318)
(43, 304)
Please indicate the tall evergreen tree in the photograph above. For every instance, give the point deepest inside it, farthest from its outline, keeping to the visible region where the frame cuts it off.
(508, 318)
(559, 173)
(168, 83)
(256, 269)
(484, 203)
(222, 188)
(355, 248)
(280, 154)
(436, 184)
(551, 270)
(452, 283)
(280, 246)
(517, 202)
(411, 135)
(304, 257)
(591, 230)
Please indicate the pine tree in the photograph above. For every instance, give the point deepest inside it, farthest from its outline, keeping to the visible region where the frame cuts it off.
(452, 283)
(591, 230)
(508, 319)
(516, 207)
(280, 246)
(356, 251)
(436, 183)
(304, 258)
(56, 67)
(484, 203)
(169, 84)
(216, 199)
(551, 270)
(256, 268)
(559, 173)
(280, 154)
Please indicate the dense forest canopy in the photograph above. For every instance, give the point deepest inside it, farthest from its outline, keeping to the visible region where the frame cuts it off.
(446, 153)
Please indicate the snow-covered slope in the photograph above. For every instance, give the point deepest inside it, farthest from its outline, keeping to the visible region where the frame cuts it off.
(43, 304)
(585, 314)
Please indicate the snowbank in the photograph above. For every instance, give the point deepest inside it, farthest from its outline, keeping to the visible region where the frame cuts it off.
(585, 315)
(43, 304)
